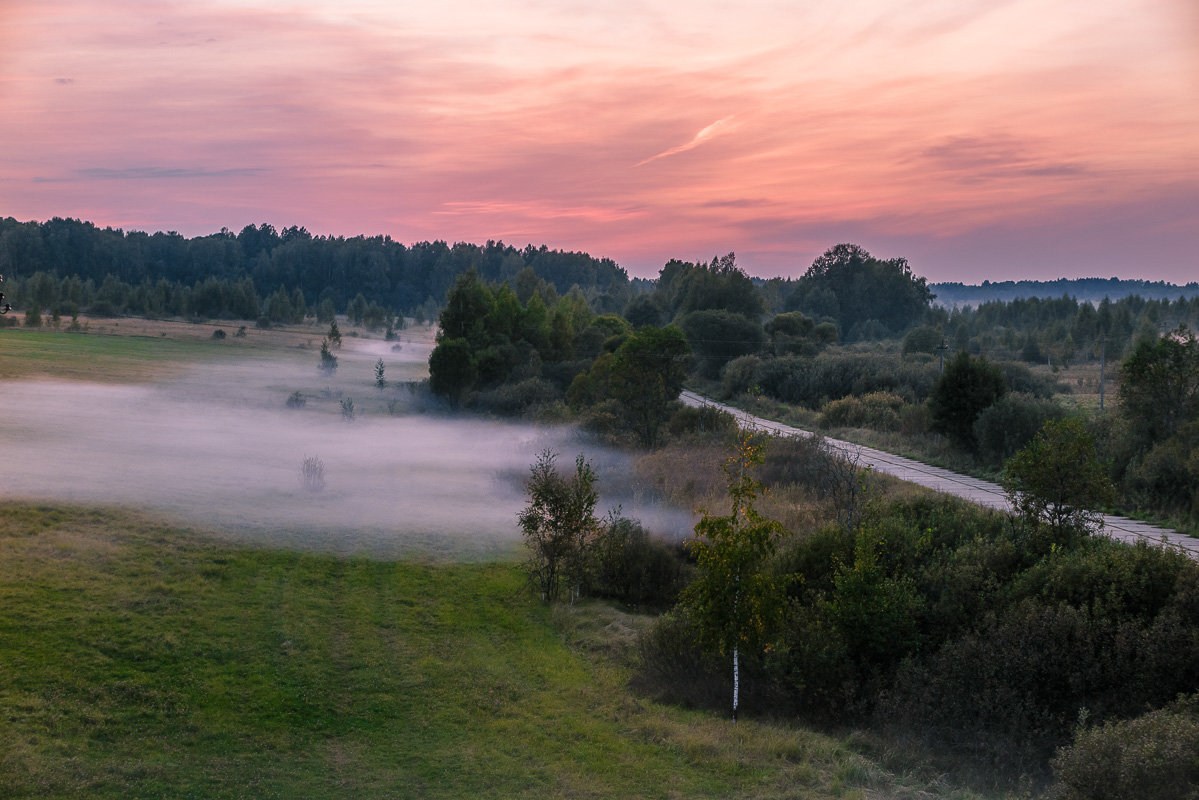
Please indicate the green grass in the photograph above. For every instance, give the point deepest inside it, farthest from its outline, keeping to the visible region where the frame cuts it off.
(139, 660)
(60, 355)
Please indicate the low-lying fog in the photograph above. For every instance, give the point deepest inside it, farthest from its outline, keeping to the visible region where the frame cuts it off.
(219, 448)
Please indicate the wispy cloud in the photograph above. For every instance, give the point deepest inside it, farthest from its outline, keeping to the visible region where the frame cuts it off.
(151, 173)
(715, 129)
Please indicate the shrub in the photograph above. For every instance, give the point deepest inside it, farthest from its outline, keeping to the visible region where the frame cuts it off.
(877, 410)
(559, 526)
(1167, 476)
(706, 421)
(717, 337)
(1152, 757)
(312, 474)
(738, 376)
(1010, 423)
(812, 382)
(634, 568)
(513, 399)
(1019, 681)
(922, 339)
(296, 400)
(673, 667)
(1057, 478)
(1020, 378)
(914, 419)
(794, 460)
(328, 362)
(218, 334)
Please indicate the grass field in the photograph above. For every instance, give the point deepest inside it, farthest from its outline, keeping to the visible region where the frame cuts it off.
(141, 659)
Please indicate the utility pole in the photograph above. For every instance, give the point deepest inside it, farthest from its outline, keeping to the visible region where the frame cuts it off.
(941, 351)
(1102, 367)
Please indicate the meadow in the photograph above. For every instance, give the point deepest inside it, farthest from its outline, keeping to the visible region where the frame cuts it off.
(145, 652)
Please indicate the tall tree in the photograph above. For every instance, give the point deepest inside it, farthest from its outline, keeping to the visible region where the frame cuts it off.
(1159, 385)
(647, 374)
(853, 288)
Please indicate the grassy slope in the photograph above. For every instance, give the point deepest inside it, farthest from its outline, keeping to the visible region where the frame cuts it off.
(138, 660)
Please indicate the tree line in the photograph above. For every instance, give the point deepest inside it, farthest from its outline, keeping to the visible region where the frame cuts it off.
(84, 268)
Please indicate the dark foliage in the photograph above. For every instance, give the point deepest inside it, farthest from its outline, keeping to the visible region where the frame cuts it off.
(812, 382)
(717, 337)
(1009, 424)
(849, 286)
(632, 567)
(71, 266)
(967, 387)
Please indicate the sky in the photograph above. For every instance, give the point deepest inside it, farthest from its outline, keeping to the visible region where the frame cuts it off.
(980, 139)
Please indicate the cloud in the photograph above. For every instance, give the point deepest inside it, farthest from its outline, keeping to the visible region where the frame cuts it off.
(977, 159)
(152, 173)
(718, 127)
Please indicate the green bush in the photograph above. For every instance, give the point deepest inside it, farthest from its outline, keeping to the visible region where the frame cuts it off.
(1152, 757)
(636, 569)
(706, 421)
(1010, 423)
(1166, 477)
(737, 377)
(1110, 579)
(794, 460)
(877, 410)
(922, 339)
(914, 419)
(514, 399)
(811, 382)
(673, 667)
(967, 386)
(717, 337)
(1020, 378)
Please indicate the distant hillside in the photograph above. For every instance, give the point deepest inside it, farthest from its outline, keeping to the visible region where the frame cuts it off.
(954, 294)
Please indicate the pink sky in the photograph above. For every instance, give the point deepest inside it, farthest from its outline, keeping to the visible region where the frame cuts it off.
(999, 139)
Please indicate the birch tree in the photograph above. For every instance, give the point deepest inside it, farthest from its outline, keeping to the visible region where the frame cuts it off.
(734, 601)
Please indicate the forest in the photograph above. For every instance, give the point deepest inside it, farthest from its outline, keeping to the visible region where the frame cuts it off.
(67, 266)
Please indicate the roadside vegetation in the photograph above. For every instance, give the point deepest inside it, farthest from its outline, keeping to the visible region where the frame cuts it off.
(984, 644)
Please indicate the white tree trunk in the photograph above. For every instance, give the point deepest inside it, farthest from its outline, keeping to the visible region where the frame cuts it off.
(736, 681)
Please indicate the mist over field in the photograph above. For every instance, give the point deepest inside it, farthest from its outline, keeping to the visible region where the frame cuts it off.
(218, 448)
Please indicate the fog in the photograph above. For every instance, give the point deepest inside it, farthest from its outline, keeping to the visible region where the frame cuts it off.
(218, 449)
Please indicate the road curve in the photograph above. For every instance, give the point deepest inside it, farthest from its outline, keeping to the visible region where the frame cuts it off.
(984, 493)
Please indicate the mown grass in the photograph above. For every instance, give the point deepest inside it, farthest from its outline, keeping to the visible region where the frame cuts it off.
(105, 358)
(141, 660)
